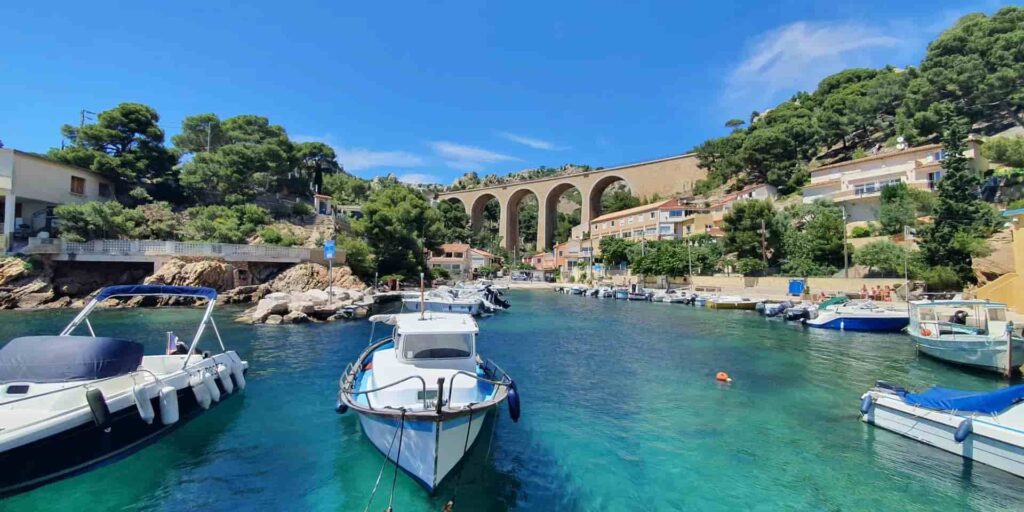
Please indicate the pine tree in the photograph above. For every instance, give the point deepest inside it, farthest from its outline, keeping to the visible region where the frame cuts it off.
(961, 220)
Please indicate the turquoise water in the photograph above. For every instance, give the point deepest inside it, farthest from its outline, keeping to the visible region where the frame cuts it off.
(620, 412)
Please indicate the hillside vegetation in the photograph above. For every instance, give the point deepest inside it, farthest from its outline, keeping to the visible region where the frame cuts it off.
(973, 71)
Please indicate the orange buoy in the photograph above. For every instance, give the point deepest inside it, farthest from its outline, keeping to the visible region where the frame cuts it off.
(925, 331)
(723, 377)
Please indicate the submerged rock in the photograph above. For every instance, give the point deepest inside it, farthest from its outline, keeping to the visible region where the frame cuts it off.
(274, 320)
(296, 317)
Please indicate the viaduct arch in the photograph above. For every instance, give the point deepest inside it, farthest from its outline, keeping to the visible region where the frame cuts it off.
(665, 177)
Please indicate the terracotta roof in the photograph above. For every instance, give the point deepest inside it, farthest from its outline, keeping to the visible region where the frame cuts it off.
(483, 253)
(454, 247)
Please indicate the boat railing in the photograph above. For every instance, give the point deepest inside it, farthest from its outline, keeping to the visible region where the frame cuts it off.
(366, 392)
(505, 381)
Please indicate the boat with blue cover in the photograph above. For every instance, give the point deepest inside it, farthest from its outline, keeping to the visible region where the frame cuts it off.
(71, 402)
(984, 426)
(967, 332)
(423, 393)
(865, 316)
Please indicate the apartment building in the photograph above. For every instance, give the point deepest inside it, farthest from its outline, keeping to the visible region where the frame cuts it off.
(857, 184)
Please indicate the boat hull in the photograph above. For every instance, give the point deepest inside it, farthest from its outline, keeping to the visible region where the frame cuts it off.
(980, 353)
(937, 428)
(746, 306)
(859, 323)
(430, 449)
(621, 295)
(87, 446)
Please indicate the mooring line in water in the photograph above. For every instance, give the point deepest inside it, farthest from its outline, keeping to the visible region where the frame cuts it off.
(448, 507)
(394, 478)
(381, 472)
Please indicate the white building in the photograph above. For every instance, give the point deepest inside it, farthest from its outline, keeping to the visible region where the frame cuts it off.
(31, 186)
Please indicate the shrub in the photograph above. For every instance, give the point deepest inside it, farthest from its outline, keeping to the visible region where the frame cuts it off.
(358, 256)
(301, 209)
(271, 236)
(941, 279)
(883, 256)
(750, 266)
(860, 232)
(97, 220)
(441, 273)
(224, 224)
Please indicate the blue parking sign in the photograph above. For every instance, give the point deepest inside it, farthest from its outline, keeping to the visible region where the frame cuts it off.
(329, 249)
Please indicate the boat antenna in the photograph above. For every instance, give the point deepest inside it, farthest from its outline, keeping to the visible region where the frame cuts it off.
(421, 296)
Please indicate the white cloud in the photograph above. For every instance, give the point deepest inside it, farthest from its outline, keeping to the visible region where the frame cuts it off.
(797, 56)
(459, 156)
(415, 178)
(529, 141)
(358, 159)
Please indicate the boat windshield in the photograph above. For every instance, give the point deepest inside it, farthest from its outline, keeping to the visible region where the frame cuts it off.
(437, 346)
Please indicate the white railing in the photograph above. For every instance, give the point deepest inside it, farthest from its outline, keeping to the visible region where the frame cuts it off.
(169, 248)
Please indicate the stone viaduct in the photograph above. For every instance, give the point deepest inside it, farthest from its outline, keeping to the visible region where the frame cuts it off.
(665, 177)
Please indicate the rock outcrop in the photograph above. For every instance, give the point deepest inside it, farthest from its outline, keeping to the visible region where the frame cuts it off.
(209, 273)
(308, 306)
(313, 276)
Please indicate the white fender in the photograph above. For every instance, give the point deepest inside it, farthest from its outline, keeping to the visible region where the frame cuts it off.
(211, 386)
(142, 403)
(198, 386)
(168, 405)
(225, 378)
(238, 372)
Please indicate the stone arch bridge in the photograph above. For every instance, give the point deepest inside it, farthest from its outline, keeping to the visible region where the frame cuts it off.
(664, 177)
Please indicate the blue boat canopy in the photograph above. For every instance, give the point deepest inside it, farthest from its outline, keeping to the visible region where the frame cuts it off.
(154, 289)
(988, 402)
(67, 358)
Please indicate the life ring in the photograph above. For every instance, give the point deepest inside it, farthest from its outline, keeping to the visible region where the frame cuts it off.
(926, 331)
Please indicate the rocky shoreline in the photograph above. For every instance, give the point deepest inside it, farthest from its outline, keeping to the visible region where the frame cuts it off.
(305, 292)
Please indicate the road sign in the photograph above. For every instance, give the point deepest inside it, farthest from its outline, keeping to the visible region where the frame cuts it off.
(329, 249)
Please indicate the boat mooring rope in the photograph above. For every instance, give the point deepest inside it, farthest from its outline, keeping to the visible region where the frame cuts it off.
(381, 472)
(394, 478)
(448, 507)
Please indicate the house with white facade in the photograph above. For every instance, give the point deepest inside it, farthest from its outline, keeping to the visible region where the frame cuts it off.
(857, 185)
(32, 185)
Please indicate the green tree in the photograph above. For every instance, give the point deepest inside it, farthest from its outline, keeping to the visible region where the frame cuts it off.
(618, 200)
(1005, 150)
(358, 256)
(96, 220)
(126, 144)
(813, 239)
(898, 210)
(346, 189)
(528, 222)
(199, 133)
(614, 250)
(399, 225)
(743, 229)
(882, 256)
(975, 66)
(224, 224)
(455, 221)
(314, 160)
(960, 216)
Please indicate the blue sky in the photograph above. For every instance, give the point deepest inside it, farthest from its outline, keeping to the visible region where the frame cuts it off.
(431, 91)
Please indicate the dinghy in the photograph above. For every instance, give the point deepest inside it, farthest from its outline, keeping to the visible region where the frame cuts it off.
(422, 393)
(966, 332)
(987, 427)
(70, 402)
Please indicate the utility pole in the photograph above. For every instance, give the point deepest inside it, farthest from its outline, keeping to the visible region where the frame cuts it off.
(846, 250)
(82, 114)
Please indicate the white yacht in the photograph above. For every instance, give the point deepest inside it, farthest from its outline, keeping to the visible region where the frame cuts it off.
(68, 403)
(422, 393)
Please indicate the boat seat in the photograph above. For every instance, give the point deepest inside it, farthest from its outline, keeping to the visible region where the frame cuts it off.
(988, 402)
(44, 359)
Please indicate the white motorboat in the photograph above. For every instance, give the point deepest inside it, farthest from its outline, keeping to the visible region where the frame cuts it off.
(968, 332)
(987, 427)
(731, 302)
(443, 302)
(605, 292)
(673, 296)
(69, 403)
(866, 316)
(422, 394)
